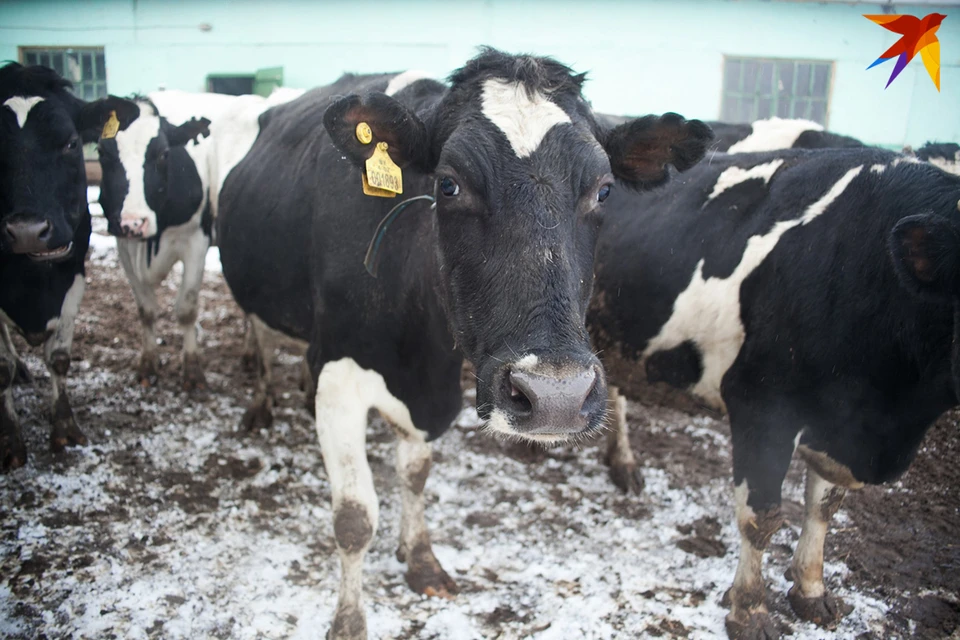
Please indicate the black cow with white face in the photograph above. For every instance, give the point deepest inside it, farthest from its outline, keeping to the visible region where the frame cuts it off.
(812, 295)
(777, 133)
(154, 196)
(44, 236)
(500, 271)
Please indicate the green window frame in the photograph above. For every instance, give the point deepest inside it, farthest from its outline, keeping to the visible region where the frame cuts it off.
(85, 67)
(757, 88)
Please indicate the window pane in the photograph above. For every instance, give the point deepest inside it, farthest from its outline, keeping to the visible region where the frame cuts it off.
(785, 86)
(764, 108)
(87, 66)
(751, 74)
(88, 91)
(745, 113)
(818, 112)
(766, 79)
(101, 67)
(58, 62)
(821, 80)
(101, 90)
(45, 59)
(801, 109)
(803, 79)
(731, 76)
(30, 58)
(729, 111)
(783, 108)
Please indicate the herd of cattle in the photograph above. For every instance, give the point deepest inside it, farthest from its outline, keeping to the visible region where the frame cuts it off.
(802, 282)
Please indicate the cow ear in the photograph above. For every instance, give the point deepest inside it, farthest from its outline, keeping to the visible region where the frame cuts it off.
(190, 130)
(926, 255)
(641, 149)
(408, 141)
(93, 115)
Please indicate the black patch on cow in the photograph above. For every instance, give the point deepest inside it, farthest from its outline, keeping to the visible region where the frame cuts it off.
(811, 139)
(206, 220)
(939, 150)
(681, 366)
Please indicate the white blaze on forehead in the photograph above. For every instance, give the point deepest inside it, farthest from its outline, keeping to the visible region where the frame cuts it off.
(404, 80)
(733, 176)
(132, 145)
(21, 107)
(773, 134)
(524, 120)
(708, 311)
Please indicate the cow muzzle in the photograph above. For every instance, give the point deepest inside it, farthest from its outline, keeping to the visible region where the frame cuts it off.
(33, 236)
(135, 226)
(547, 403)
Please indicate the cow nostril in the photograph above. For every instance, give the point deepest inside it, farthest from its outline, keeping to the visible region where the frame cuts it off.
(45, 231)
(519, 394)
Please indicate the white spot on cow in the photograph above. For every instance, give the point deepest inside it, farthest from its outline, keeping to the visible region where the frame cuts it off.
(773, 134)
(500, 424)
(528, 361)
(947, 164)
(21, 107)
(523, 119)
(708, 311)
(404, 80)
(135, 214)
(878, 168)
(733, 176)
(907, 159)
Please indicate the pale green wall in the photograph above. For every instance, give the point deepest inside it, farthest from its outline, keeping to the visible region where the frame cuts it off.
(642, 56)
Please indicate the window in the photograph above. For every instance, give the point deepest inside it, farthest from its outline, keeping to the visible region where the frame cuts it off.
(757, 88)
(85, 67)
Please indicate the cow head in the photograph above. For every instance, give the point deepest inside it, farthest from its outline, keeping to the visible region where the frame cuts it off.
(521, 170)
(150, 181)
(42, 179)
(945, 155)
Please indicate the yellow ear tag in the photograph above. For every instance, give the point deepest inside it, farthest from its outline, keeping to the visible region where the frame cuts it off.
(373, 191)
(364, 134)
(382, 171)
(111, 126)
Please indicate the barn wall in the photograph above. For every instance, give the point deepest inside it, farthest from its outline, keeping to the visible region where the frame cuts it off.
(643, 56)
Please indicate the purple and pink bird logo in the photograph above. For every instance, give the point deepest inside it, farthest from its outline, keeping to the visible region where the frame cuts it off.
(919, 35)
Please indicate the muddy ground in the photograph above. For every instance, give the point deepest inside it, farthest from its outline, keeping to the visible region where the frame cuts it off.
(173, 524)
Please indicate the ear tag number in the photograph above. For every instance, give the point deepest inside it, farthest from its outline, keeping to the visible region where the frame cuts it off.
(373, 191)
(111, 126)
(382, 171)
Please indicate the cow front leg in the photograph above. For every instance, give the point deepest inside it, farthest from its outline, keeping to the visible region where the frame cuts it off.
(12, 452)
(188, 308)
(620, 458)
(761, 456)
(345, 394)
(248, 359)
(22, 374)
(133, 258)
(65, 431)
(424, 573)
(809, 596)
(259, 414)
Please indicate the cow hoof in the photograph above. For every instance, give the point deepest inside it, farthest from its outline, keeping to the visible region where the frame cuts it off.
(193, 378)
(745, 625)
(425, 575)
(22, 374)
(825, 611)
(13, 454)
(257, 416)
(348, 624)
(65, 434)
(147, 374)
(627, 477)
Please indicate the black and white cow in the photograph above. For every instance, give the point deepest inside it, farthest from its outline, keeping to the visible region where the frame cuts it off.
(813, 296)
(776, 133)
(161, 178)
(44, 236)
(154, 196)
(500, 271)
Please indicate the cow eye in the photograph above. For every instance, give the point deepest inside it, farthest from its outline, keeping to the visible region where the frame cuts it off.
(449, 187)
(603, 193)
(72, 145)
